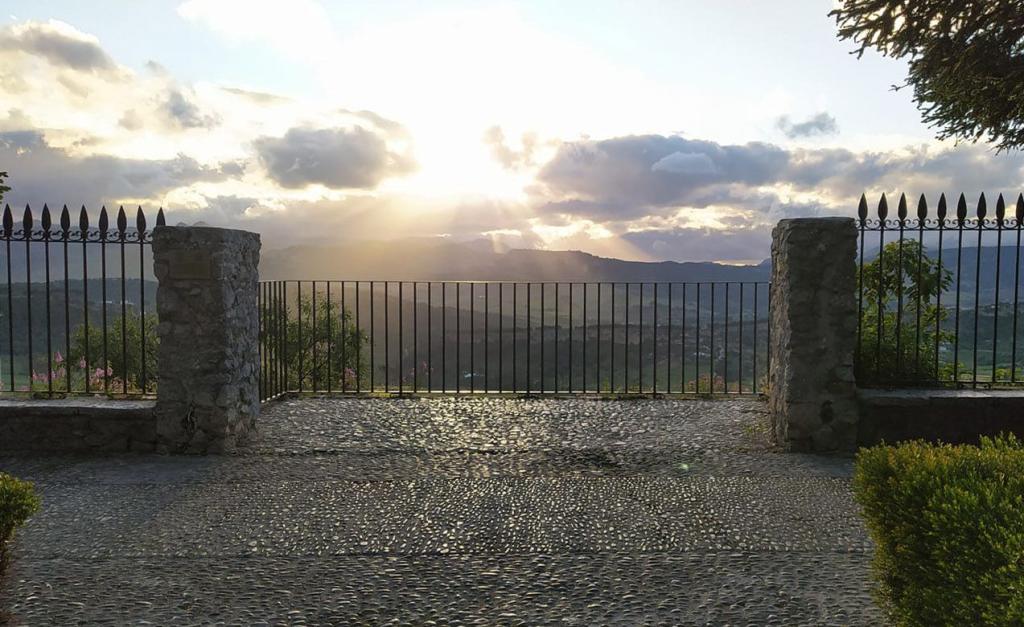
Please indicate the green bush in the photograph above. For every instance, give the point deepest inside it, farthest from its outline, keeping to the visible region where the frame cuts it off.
(948, 525)
(18, 501)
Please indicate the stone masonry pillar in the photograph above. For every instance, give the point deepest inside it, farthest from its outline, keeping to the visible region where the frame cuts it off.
(208, 368)
(811, 389)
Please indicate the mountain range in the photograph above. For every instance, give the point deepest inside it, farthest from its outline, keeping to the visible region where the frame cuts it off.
(437, 260)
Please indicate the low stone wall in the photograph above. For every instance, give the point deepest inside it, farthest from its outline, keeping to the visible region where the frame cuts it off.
(953, 416)
(77, 426)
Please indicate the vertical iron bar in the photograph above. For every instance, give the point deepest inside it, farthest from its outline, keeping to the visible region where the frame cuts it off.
(472, 337)
(899, 288)
(330, 336)
(430, 336)
(124, 306)
(359, 375)
(711, 369)
(387, 337)
(977, 294)
(103, 296)
(753, 383)
(27, 226)
(860, 290)
(956, 315)
(558, 325)
(941, 216)
(83, 226)
(682, 348)
(529, 333)
(301, 346)
(668, 373)
(611, 344)
(917, 315)
(487, 336)
(696, 347)
(725, 340)
(415, 336)
(314, 340)
(49, 323)
(739, 365)
(999, 254)
(597, 375)
(501, 337)
(444, 336)
(571, 285)
(543, 328)
(373, 339)
(515, 335)
(401, 337)
(881, 291)
(458, 337)
(142, 299)
(640, 339)
(10, 307)
(1019, 217)
(625, 348)
(653, 360)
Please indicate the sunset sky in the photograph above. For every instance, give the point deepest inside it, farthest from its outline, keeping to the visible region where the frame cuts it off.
(644, 130)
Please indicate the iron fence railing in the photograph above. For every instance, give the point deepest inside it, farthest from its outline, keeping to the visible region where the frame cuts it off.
(73, 311)
(518, 337)
(938, 295)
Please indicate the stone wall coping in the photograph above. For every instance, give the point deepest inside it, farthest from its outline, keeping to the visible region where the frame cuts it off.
(926, 394)
(58, 408)
(211, 230)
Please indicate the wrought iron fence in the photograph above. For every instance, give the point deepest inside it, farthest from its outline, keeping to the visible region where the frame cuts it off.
(518, 337)
(69, 309)
(938, 295)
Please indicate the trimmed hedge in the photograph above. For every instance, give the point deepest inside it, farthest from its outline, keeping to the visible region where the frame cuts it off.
(18, 501)
(948, 525)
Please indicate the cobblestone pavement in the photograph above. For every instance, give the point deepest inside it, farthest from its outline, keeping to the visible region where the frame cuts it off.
(453, 510)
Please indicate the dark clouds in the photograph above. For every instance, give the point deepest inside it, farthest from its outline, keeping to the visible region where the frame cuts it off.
(817, 125)
(40, 173)
(628, 176)
(338, 158)
(181, 112)
(57, 45)
(653, 175)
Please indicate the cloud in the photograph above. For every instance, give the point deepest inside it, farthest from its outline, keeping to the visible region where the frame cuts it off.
(636, 174)
(42, 173)
(818, 124)
(337, 158)
(59, 43)
(508, 157)
(184, 113)
(626, 178)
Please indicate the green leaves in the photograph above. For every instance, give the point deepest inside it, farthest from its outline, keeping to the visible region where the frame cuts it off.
(3, 188)
(18, 501)
(948, 527)
(965, 60)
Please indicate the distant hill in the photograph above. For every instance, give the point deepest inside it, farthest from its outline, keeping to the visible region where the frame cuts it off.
(442, 260)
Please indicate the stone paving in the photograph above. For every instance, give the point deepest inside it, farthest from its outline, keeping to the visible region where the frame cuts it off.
(453, 510)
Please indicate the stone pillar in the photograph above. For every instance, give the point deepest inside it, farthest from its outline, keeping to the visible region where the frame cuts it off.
(208, 374)
(811, 389)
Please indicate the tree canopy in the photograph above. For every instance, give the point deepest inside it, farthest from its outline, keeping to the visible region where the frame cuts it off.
(3, 188)
(966, 60)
